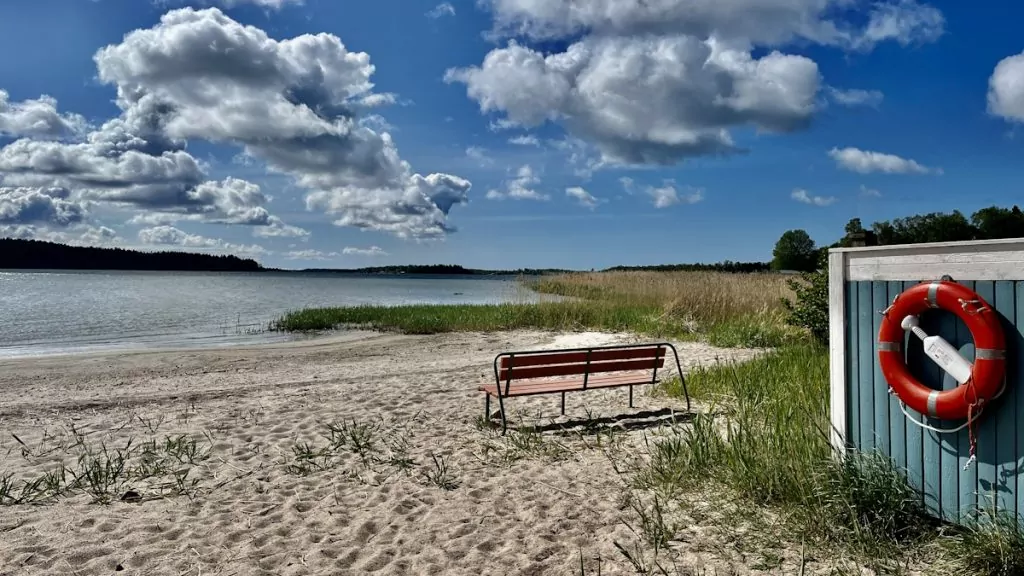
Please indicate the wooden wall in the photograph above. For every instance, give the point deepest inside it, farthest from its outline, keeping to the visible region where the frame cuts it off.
(934, 462)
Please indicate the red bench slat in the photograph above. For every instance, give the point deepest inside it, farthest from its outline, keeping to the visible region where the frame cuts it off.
(568, 384)
(581, 368)
(555, 357)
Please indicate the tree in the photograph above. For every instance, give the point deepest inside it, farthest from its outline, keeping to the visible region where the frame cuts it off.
(794, 251)
(994, 222)
(932, 227)
(854, 227)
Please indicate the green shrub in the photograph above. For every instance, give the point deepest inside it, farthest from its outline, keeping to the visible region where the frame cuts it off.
(810, 308)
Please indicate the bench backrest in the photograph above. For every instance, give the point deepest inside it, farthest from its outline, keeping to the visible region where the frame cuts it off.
(526, 365)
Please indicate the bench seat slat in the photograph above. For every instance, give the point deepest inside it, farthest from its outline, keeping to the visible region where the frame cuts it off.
(544, 386)
(581, 368)
(523, 360)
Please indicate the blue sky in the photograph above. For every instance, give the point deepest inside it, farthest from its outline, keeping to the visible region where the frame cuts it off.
(499, 133)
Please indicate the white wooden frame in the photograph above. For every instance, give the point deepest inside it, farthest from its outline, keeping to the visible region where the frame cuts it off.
(972, 260)
(975, 260)
(837, 348)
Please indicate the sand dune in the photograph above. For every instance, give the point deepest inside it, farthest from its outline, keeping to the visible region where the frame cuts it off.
(232, 467)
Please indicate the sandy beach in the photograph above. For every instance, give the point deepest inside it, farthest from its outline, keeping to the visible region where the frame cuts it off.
(329, 456)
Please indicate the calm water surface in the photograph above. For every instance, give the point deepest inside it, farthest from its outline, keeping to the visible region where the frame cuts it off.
(62, 311)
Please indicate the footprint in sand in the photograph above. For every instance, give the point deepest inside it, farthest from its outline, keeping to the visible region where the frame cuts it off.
(348, 559)
(379, 561)
(464, 530)
(366, 531)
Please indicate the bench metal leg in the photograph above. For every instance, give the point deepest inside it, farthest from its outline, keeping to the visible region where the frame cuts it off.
(487, 407)
(504, 421)
(563, 403)
(631, 396)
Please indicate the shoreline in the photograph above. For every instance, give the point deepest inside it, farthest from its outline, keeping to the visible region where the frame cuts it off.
(412, 486)
(251, 342)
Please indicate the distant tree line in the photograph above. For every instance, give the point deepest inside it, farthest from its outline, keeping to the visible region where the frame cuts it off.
(37, 254)
(440, 269)
(726, 266)
(795, 250)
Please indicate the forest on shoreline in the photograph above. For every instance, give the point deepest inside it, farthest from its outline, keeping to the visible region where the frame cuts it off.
(794, 251)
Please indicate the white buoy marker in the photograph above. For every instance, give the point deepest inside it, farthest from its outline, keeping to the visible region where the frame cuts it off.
(942, 352)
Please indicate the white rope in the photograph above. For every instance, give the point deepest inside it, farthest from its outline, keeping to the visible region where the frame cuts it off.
(914, 420)
(903, 407)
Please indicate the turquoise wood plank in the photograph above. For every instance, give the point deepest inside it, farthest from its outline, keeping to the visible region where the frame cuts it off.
(946, 446)
(930, 374)
(852, 368)
(866, 357)
(915, 436)
(1004, 408)
(987, 442)
(879, 299)
(955, 332)
(1016, 361)
(897, 423)
(968, 484)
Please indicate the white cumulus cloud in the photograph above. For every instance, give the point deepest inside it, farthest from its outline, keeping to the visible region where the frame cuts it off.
(525, 140)
(371, 251)
(801, 195)
(271, 4)
(867, 162)
(668, 194)
(310, 255)
(442, 9)
(521, 187)
(291, 103)
(869, 192)
(74, 235)
(479, 155)
(750, 22)
(1006, 89)
(855, 97)
(37, 118)
(583, 197)
(171, 236)
(655, 82)
(646, 100)
(39, 206)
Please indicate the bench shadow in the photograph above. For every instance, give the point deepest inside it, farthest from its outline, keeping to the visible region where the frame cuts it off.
(621, 422)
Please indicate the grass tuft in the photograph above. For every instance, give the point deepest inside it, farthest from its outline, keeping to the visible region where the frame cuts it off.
(357, 437)
(102, 474)
(993, 545)
(440, 474)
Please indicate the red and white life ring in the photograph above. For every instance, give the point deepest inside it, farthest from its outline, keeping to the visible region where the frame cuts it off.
(989, 365)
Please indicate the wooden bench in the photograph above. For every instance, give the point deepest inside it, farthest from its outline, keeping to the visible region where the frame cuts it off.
(534, 372)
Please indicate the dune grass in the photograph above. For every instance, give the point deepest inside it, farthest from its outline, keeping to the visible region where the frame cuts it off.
(765, 436)
(726, 309)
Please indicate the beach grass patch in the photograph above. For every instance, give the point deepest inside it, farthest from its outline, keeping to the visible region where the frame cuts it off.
(101, 474)
(764, 436)
(306, 459)
(440, 474)
(357, 437)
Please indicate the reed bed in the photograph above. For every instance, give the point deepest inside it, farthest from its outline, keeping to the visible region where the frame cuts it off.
(707, 297)
(726, 309)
